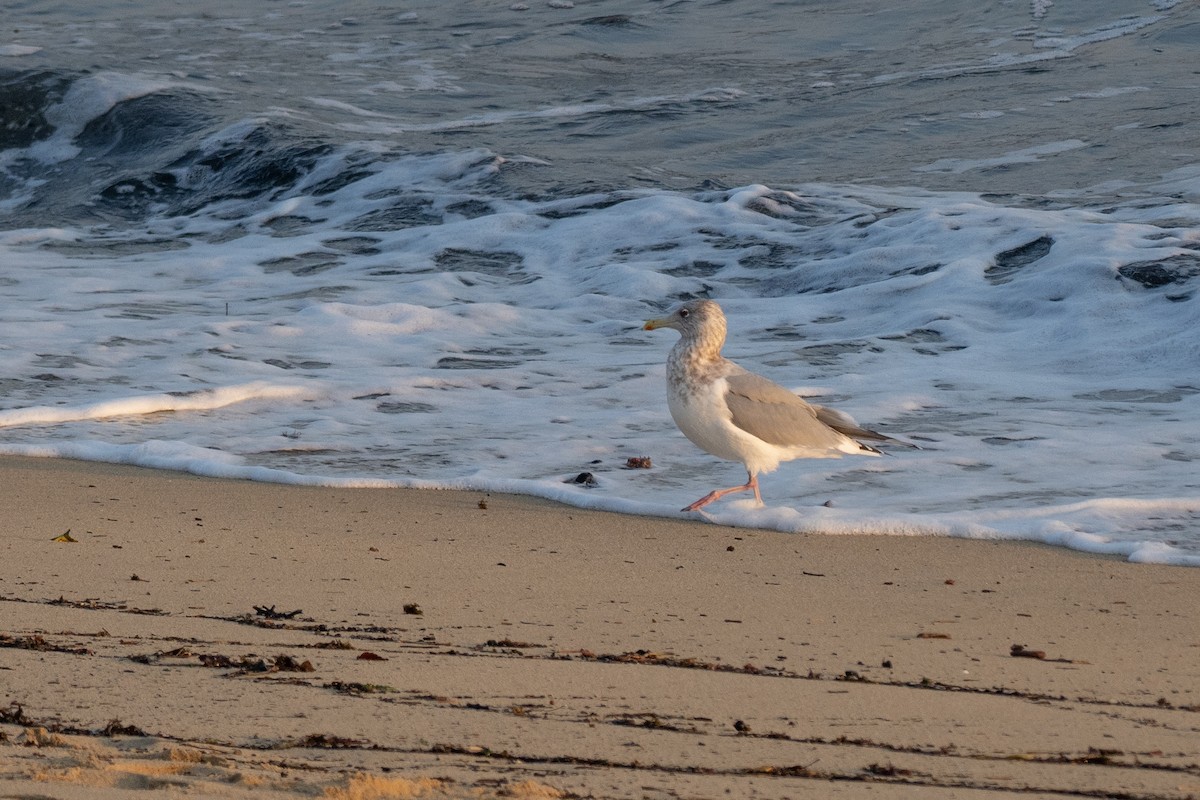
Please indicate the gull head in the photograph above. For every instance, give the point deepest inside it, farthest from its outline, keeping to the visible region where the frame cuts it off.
(694, 319)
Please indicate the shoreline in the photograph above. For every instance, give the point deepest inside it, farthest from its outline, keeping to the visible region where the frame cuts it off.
(781, 519)
(527, 648)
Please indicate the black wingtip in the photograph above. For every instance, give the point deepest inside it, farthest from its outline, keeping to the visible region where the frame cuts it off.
(887, 440)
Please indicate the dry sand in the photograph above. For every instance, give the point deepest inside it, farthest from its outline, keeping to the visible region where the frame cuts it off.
(527, 649)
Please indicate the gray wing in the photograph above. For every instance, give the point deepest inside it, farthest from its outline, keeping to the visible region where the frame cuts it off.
(772, 413)
(844, 424)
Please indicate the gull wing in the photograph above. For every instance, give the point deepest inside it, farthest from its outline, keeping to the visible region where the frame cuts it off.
(765, 409)
(844, 424)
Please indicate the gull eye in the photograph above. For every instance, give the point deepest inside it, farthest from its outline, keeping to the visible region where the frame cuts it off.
(683, 312)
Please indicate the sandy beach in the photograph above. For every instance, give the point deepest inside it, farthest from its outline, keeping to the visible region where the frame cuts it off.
(215, 638)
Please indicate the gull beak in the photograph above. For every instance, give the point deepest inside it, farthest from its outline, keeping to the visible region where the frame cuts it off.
(652, 324)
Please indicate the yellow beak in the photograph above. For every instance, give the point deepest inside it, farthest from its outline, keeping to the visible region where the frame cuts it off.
(652, 324)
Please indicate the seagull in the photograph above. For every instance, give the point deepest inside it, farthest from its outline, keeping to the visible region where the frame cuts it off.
(732, 413)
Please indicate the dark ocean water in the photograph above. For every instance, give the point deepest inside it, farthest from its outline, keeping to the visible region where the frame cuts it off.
(618, 94)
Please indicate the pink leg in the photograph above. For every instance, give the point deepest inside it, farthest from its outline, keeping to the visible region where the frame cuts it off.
(717, 494)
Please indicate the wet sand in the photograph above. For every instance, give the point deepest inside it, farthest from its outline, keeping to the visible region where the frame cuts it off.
(220, 638)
